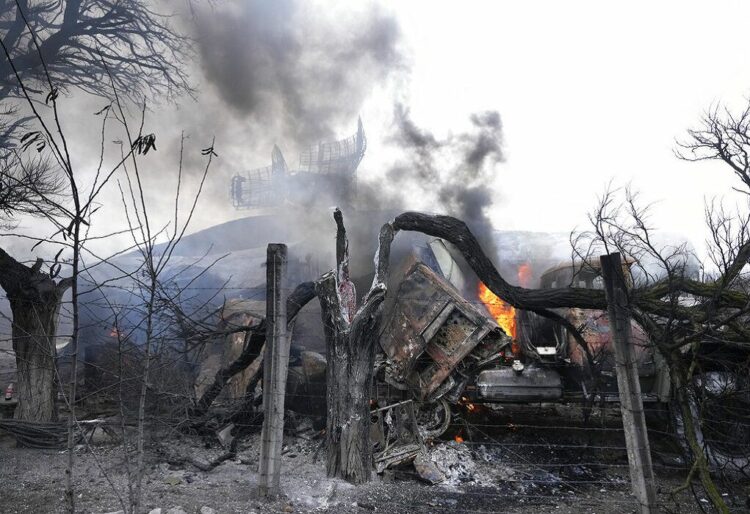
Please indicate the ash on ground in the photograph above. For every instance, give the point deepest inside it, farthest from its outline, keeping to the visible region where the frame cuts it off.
(518, 471)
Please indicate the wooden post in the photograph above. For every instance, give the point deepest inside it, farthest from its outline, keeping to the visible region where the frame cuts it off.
(275, 367)
(631, 403)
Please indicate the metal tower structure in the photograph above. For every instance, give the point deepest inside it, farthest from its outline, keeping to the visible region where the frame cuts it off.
(325, 170)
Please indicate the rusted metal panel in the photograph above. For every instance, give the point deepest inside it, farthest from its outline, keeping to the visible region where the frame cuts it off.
(430, 330)
(595, 329)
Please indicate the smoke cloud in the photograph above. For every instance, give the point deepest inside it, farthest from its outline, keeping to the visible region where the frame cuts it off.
(286, 72)
(452, 175)
(297, 69)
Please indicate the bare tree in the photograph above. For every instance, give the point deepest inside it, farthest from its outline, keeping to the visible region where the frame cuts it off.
(89, 45)
(80, 39)
(34, 294)
(723, 136)
(101, 47)
(700, 327)
(148, 278)
(24, 183)
(35, 299)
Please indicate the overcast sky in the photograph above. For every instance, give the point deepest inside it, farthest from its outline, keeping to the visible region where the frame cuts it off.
(587, 92)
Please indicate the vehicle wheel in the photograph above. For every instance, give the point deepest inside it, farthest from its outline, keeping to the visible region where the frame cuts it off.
(433, 418)
(720, 401)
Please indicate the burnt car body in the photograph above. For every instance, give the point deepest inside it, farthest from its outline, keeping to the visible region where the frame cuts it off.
(437, 344)
(434, 338)
(592, 376)
(440, 348)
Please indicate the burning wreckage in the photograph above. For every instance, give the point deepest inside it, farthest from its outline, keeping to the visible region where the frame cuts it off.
(449, 341)
(447, 346)
(446, 340)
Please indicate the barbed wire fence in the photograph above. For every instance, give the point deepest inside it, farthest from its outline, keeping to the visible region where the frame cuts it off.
(545, 453)
(569, 458)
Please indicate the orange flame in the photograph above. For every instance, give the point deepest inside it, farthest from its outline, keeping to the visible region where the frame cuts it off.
(458, 439)
(504, 313)
(524, 275)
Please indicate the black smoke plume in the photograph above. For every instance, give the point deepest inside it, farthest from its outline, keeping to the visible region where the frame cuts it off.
(296, 69)
(455, 174)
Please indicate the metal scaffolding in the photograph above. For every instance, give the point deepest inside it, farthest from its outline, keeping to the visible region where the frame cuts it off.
(328, 169)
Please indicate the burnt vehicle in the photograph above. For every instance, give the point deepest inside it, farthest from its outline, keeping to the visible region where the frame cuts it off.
(587, 374)
(439, 347)
(442, 348)
(434, 344)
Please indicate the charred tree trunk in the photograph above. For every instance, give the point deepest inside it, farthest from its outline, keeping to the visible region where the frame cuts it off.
(649, 299)
(346, 414)
(351, 339)
(35, 303)
(254, 340)
(351, 362)
(536, 300)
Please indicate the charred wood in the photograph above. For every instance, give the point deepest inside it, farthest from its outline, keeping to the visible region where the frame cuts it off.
(182, 460)
(350, 353)
(455, 231)
(653, 299)
(254, 340)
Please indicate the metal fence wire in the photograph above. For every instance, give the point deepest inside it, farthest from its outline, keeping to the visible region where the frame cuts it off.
(536, 453)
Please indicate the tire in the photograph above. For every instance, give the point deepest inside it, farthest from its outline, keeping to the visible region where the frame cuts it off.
(721, 403)
(433, 418)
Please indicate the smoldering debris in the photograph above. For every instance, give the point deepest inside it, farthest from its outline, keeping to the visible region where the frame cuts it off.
(457, 465)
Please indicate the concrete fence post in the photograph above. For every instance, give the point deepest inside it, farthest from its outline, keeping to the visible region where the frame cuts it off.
(275, 367)
(631, 402)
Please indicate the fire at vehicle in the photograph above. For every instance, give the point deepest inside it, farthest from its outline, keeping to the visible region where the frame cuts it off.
(447, 343)
(503, 313)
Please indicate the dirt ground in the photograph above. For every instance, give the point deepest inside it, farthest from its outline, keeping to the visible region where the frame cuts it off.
(530, 470)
